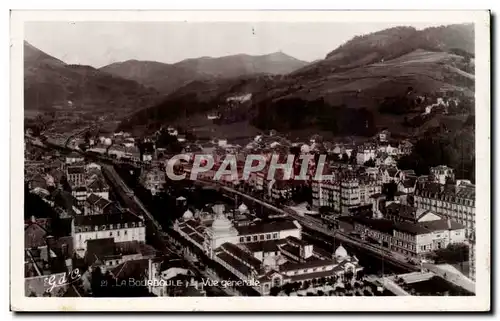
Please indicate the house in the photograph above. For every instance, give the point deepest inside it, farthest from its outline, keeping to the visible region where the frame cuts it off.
(407, 185)
(442, 174)
(74, 157)
(385, 159)
(107, 254)
(99, 187)
(80, 194)
(76, 175)
(153, 180)
(405, 147)
(95, 204)
(404, 174)
(388, 174)
(389, 149)
(383, 136)
(365, 153)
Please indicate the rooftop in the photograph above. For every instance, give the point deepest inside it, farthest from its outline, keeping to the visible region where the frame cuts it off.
(258, 228)
(106, 219)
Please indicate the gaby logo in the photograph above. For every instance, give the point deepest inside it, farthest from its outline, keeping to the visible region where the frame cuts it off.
(62, 279)
(308, 168)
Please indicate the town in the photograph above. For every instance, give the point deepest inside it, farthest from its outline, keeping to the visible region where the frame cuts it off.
(103, 204)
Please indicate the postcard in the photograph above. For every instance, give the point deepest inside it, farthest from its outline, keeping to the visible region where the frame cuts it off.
(250, 161)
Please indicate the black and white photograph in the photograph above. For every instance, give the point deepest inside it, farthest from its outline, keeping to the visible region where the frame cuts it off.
(200, 157)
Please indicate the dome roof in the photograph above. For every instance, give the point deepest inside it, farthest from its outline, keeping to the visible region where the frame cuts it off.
(341, 252)
(187, 215)
(222, 223)
(242, 208)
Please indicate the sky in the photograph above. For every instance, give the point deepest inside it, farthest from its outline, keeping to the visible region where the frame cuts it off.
(100, 43)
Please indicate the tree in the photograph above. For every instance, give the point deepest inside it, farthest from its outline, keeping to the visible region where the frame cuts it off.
(344, 158)
(275, 291)
(453, 253)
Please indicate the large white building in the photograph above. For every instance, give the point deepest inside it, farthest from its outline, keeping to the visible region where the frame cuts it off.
(456, 202)
(344, 194)
(272, 253)
(417, 233)
(122, 227)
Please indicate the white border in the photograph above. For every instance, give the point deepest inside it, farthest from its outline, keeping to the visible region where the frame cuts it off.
(480, 302)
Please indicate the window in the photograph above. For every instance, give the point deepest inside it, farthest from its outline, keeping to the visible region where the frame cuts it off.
(110, 226)
(275, 235)
(118, 225)
(80, 237)
(118, 233)
(268, 236)
(110, 233)
(126, 225)
(125, 232)
(249, 238)
(255, 238)
(242, 239)
(262, 237)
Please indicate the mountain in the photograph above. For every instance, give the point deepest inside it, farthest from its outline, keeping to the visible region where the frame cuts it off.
(51, 83)
(380, 80)
(168, 77)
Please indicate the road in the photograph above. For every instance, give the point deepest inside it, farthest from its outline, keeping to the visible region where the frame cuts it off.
(156, 232)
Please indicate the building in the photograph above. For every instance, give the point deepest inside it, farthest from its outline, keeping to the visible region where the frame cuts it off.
(405, 147)
(427, 233)
(456, 202)
(122, 227)
(442, 174)
(107, 254)
(153, 180)
(345, 194)
(95, 204)
(384, 136)
(365, 153)
(99, 187)
(384, 158)
(280, 189)
(80, 194)
(76, 175)
(74, 157)
(271, 253)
